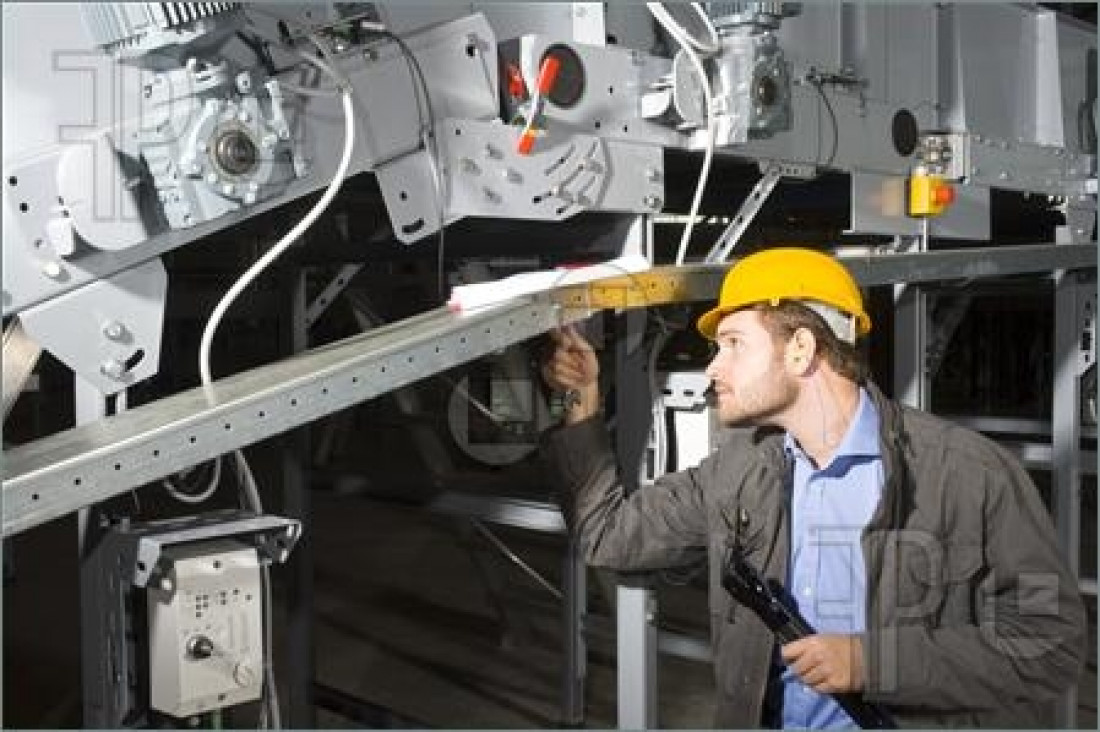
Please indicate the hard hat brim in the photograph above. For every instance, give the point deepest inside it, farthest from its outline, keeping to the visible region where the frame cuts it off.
(707, 324)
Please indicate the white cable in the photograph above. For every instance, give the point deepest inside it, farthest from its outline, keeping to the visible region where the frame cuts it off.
(183, 497)
(532, 110)
(681, 37)
(710, 46)
(272, 254)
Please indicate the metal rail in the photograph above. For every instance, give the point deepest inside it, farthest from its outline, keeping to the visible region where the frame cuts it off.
(56, 475)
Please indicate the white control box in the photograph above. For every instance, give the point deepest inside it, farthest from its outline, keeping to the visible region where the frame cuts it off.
(206, 629)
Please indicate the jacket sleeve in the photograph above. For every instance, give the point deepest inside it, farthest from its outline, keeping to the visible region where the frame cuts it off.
(656, 526)
(1027, 633)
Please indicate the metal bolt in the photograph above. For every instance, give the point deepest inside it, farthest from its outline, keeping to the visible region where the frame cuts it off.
(113, 369)
(592, 166)
(490, 195)
(166, 584)
(652, 175)
(469, 166)
(1003, 175)
(114, 330)
(269, 141)
(52, 270)
(491, 152)
(244, 117)
(559, 192)
(653, 202)
(584, 201)
(211, 177)
(512, 176)
(229, 189)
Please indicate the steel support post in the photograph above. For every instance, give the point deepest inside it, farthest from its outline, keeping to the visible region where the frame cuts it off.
(574, 610)
(636, 646)
(637, 638)
(90, 406)
(1066, 442)
(299, 671)
(911, 324)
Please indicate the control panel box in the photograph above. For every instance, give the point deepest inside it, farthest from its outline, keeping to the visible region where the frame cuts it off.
(205, 628)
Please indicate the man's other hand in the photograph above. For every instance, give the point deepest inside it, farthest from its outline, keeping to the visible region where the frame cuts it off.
(828, 664)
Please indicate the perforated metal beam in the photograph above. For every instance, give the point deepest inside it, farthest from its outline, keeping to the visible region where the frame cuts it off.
(59, 474)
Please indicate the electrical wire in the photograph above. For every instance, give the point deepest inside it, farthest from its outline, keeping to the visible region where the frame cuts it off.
(681, 37)
(664, 17)
(431, 147)
(283, 244)
(246, 479)
(832, 117)
(186, 496)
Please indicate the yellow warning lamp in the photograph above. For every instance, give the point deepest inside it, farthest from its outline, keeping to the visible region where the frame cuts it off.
(929, 195)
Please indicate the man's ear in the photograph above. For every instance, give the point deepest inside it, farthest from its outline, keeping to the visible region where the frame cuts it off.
(800, 351)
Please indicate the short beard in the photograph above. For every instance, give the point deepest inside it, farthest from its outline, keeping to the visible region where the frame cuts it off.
(776, 395)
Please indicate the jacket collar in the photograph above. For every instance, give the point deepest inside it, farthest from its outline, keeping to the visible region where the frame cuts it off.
(897, 491)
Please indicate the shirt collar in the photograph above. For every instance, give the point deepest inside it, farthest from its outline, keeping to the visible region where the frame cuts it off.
(861, 439)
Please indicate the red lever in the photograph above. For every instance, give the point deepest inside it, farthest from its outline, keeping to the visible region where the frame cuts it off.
(551, 65)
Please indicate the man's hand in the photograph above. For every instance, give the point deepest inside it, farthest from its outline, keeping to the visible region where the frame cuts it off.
(573, 367)
(828, 664)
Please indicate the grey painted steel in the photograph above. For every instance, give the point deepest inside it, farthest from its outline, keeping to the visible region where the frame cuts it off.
(911, 325)
(697, 282)
(879, 203)
(524, 514)
(331, 291)
(574, 612)
(61, 473)
(1066, 441)
(751, 206)
(636, 643)
(1040, 456)
(299, 673)
(1012, 425)
(108, 332)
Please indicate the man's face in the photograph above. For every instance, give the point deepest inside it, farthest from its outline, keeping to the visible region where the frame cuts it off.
(750, 381)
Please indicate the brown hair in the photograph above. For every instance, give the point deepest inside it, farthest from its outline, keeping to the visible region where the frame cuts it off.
(786, 317)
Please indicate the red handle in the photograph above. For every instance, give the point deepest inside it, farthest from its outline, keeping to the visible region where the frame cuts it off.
(551, 65)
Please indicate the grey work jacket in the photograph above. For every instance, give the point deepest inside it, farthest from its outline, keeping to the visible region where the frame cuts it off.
(973, 618)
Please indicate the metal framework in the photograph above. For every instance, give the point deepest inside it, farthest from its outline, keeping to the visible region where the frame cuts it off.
(59, 474)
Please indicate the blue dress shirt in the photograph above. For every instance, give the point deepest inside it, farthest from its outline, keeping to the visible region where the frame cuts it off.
(830, 507)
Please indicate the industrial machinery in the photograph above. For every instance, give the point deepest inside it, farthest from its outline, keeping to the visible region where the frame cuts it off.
(136, 134)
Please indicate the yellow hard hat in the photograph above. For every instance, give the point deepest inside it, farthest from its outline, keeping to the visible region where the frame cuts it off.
(787, 273)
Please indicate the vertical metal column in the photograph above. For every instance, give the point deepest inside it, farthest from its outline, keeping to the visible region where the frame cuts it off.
(1066, 440)
(574, 612)
(911, 324)
(636, 645)
(300, 666)
(637, 639)
(98, 692)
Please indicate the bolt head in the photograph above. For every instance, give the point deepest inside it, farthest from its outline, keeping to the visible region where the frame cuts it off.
(113, 369)
(52, 270)
(114, 330)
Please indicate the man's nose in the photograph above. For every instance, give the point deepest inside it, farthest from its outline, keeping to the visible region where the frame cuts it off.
(711, 372)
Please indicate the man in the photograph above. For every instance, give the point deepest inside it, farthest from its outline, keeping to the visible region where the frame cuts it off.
(919, 551)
